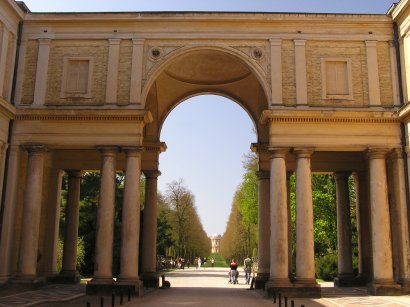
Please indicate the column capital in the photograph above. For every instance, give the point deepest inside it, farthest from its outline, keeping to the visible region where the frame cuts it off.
(300, 42)
(259, 147)
(35, 148)
(397, 153)
(114, 41)
(342, 175)
(303, 152)
(278, 152)
(377, 153)
(138, 41)
(107, 150)
(263, 175)
(74, 173)
(44, 41)
(371, 43)
(152, 174)
(132, 150)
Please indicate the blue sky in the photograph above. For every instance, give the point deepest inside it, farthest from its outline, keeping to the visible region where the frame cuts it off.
(220, 131)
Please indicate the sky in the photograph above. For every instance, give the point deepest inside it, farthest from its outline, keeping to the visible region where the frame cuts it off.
(208, 155)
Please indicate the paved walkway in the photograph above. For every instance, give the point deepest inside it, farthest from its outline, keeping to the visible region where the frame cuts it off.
(198, 288)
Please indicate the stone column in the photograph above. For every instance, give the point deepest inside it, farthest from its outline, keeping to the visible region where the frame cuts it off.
(263, 229)
(3, 150)
(363, 226)
(30, 228)
(42, 71)
(373, 73)
(105, 221)
(305, 261)
(131, 219)
(399, 211)
(290, 260)
(7, 239)
(279, 275)
(149, 231)
(301, 76)
(344, 231)
(69, 268)
(53, 224)
(380, 220)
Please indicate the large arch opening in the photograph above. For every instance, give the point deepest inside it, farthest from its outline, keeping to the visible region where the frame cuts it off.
(208, 139)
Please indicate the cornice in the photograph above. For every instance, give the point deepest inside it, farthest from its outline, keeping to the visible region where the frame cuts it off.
(84, 115)
(7, 108)
(208, 16)
(331, 116)
(155, 146)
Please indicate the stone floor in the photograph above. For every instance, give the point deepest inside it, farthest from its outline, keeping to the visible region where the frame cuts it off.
(205, 287)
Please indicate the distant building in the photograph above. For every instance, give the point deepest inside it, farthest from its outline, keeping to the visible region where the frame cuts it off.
(216, 243)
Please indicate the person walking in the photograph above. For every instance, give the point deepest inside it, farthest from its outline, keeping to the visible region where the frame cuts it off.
(212, 261)
(247, 267)
(233, 273)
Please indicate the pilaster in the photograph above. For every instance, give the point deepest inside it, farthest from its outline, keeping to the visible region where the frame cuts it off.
(136, 71)
(4, 44)
(301, 76)
(112, 71)
(276, 70)
(373, 73)
(42, 71)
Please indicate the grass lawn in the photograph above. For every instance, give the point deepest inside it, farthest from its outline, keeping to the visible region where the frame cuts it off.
(219, 261)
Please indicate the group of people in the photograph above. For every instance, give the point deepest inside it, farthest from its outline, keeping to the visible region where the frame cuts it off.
(181, 263)
(234, 273)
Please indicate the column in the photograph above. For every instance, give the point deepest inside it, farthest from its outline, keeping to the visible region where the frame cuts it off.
(3, 150)
(105, 218)
(263, 229)
(53, 223)
(69, 268)
(290, 260)
(279, 274)
(301, 77)
(131, 218)
(363, 226)
(136, 71)
(42, 71)
(149, 230)
(112, 70)
(373, 73)
(276, 70)
(380, 220)
(400, 223)
(344, 231)
(8, 239)
(305, 261)
(4, 45)
(31, 213)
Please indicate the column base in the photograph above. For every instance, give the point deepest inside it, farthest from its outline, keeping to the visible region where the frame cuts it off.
(150, 280)
(124, 285)
(386, 288)
(68, 277)
(102, 286)
(299, 289)
(25, 283)
(260, 280)
(347, 280)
